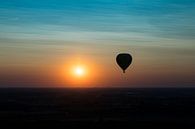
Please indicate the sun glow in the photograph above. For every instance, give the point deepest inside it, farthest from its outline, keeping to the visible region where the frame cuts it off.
(79, 71)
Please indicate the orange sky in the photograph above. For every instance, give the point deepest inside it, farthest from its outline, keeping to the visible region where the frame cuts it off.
(102, 71)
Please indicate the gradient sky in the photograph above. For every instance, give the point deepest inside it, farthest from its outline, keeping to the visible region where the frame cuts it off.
(38, 38)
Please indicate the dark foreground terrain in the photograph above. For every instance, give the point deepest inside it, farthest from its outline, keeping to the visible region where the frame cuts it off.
(61, 106)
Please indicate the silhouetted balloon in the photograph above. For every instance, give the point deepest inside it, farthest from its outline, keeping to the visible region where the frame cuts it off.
(124, 60)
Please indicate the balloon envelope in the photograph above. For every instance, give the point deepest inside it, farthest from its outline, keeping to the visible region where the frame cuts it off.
(124, 60)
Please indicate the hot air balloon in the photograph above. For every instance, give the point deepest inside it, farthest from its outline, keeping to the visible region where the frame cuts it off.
(124, 60)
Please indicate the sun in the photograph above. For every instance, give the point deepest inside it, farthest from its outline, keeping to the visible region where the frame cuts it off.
(79, 71)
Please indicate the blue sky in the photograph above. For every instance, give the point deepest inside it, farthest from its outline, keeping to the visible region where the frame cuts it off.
(161, 18)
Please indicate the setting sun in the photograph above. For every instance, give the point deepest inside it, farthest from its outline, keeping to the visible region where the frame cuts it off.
(79, 71)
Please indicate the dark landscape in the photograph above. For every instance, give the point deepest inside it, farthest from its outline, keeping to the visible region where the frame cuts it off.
(98, 105)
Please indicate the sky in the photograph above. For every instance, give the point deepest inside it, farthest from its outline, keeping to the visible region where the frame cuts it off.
(41, 40)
